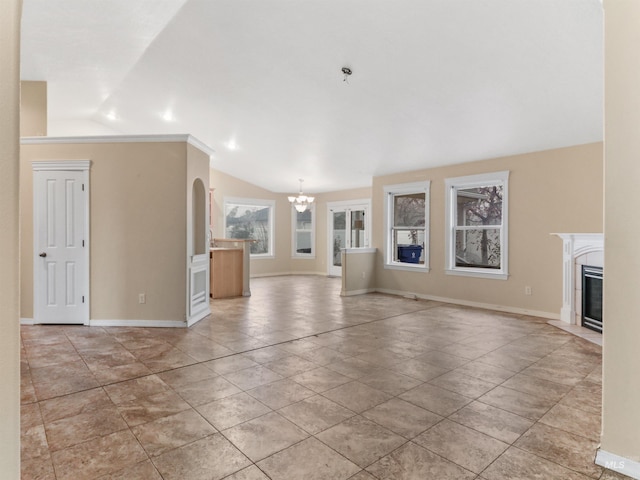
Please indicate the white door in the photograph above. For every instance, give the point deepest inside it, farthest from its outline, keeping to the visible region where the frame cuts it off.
(61, 260)
(348, 228)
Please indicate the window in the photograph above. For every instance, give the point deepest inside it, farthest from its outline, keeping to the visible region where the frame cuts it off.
(407, 217)
(304, 232)
(476, 239)
(251, 219)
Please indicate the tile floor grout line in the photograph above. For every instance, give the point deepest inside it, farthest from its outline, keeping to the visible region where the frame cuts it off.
(573, 350)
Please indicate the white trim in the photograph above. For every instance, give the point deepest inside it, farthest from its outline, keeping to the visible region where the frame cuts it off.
(408, 267)
(66, 165)
(258, 202)
(161, 138)
(138, 323)
(350, 203)
(470, 181)
(131, 323)
(286, 274)
(199, 316)
(360, 250)
(466, 303)
(198, 301)
(400, 189)
(573, 246)
(611, 461)
(352, 293)
(470, 272)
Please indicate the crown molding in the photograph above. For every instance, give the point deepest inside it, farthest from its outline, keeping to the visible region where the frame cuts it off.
(161, 138)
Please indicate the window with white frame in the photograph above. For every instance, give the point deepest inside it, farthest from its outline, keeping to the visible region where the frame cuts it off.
(303, 227)
(407, 222)
(477, 233)
(251, 219)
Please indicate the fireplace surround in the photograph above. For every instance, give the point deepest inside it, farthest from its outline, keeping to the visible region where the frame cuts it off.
(578, 249)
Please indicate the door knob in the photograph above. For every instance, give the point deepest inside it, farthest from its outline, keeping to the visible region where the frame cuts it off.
(43, 254)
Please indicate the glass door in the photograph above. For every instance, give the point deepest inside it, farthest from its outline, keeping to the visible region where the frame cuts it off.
(339, 226)
(348, 228)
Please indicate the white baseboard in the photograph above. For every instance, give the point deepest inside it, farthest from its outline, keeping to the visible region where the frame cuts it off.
(285, 274)
(138, 323)
(467, 303)
(351, 293)
(125, 323)
(618, 464)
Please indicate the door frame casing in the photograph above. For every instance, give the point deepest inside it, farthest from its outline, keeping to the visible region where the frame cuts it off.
(82, 166)
(363, 203)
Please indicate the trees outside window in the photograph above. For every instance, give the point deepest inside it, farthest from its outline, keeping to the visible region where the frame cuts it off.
(477, 230)
(251, 219)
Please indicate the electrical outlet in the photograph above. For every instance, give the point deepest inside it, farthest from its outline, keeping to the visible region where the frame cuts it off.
(527, 290)
(363, 275)
(142, 298)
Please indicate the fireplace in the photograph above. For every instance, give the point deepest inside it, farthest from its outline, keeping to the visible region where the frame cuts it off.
(592, 297)
(578, 250)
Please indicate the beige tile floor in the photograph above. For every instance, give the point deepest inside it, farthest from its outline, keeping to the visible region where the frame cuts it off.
(296, 382)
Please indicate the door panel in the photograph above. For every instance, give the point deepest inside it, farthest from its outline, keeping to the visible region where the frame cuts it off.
(60, 256)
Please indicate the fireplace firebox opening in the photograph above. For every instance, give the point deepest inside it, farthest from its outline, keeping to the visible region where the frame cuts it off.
(592, 297)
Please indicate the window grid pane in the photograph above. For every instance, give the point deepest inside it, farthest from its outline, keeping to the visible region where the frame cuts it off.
(408, 245)
(479, 205)
(409, 210)
(478, 248)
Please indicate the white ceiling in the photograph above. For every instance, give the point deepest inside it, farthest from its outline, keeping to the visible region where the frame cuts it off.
(434, 81)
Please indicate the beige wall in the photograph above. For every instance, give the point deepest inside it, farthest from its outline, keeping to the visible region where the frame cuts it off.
(138, 227)
(358, 272)
(546, 195)
(621, 381)
(33, 109)
(9, 274)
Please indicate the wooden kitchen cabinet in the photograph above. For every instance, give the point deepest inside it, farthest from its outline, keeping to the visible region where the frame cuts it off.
(226, 272)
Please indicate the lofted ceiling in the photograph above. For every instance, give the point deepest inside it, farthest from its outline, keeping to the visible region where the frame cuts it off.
(434, 82)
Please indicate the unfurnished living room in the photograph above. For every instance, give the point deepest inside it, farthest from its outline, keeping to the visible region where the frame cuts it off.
(253, 240)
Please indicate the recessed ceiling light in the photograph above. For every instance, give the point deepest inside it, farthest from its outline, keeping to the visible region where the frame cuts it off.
(112, 115)
(231, 144)
(168, 116)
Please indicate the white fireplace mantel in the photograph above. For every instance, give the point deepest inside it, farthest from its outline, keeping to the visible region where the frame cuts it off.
(574, 245)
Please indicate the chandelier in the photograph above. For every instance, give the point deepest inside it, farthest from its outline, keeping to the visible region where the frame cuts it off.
(301, 202)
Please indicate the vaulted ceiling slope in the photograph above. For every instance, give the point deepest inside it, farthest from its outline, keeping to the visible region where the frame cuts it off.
(434, 82)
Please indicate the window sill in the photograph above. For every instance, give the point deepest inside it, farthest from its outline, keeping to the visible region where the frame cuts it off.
(477, 274)
(303, 257)
(262, 257)
(407, 267)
